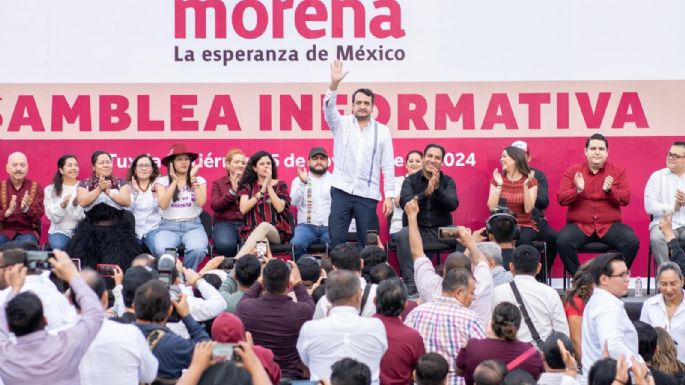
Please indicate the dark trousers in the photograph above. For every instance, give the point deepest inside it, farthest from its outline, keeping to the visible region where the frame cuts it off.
(620, 237)
(428, 234)
(547, 235)
(346, 206)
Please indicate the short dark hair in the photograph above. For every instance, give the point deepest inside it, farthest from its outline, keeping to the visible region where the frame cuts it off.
(678, 143)
(276, 276)
(391, 295)
(601, 265)
(434, 145)
(366, 92)
(489, 372)
(212, 279)
(25, 314)
(602, 372)
(373, 255)
(310, 270)
(346, 256)
(13, 256)
(525, 259)
(152, 301)
(350, 372)
(551, 350)
(380, 273)
(518, 377)
(502, 228)
(431, 369)
(225, 372)
(341, 285)
(135, 277)
(506, 320)
(456, 279)
(94, 281)
(457, 260)
(247, 269)
(596, 137)
(646, 340)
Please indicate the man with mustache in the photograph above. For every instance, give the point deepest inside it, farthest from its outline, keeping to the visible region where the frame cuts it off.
(21, 201)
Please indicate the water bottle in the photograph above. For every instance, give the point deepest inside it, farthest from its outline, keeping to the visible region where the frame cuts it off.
(638, 287)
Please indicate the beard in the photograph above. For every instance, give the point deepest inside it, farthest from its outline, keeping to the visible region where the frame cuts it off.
(319, 171)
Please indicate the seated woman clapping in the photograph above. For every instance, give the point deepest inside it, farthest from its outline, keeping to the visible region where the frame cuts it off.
(265, 204)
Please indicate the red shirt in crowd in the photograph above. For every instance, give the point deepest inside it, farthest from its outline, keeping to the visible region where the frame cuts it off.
(594, 210)
(405, 346)
(225, 202)
(512, 191)
(18, 222)
(478, 351)
(570, 310)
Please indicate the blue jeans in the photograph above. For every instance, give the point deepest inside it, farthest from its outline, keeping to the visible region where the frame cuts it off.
(225, 235)
(149, 240)
(305, 235)
(190, 233)
(19, 237)
(344, 206)
(58, 241)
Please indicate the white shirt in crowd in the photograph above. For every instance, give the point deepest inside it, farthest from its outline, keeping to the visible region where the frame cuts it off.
(321, 198)
(654, 313)
(62, 220)
(542, 303)
(341, 335)
(660, 196)
(57, 310)
(119, 355)
(145, 208)
(185, 207)
(605, 319)
(397, 212)
(323, 307)
(359, 155)
(202, 309)
(429, 286)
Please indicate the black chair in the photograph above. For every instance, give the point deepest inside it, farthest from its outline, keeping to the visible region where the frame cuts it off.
(541, 246)
(588, 248)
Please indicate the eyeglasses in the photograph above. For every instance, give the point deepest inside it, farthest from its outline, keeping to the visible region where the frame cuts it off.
(624, 275)
(144, 165)
(673, 156)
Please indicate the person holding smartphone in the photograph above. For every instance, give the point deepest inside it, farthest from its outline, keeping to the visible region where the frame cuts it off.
(107, 235)
(181, 195)
(265, 204)
(144, 204)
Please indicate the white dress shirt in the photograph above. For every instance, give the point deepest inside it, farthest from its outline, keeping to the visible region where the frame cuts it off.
(145, 209)
(660, 196)
(360, 155)
(119, 355)
(654, 313)
(202, 309)
(542, 303)
(321, 198)
(323, 306)
(57, 310)
(62, 220)
(343, 334)
(397, 212)
(605, 319)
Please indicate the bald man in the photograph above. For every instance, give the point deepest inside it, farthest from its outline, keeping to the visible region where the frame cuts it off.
(21, 202)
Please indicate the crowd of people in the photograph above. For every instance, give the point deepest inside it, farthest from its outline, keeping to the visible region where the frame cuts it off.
(171, 311)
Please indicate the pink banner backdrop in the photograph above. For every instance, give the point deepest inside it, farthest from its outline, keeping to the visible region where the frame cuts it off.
(469, 161)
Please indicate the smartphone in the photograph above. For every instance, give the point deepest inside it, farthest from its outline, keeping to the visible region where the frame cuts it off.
(38, 260)
(77, 262)
(225, 352)
(447, 233)
(171, 251)
(105, 270)
(372, 238)
(261, 249)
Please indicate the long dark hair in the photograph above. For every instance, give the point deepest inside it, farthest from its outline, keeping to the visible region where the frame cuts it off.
(94, 158)
(583, 283)
(250, 176)
(177, 191)
(520, 158)
(131, 173)
(506, 320)
(58, 180)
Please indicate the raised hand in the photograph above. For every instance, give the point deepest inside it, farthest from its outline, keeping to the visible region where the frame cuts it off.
(579, 182)
(65, 201)
(412, 207)
(337, 74)
(302, 174)
(531, 176)
(25, 202)
(194, 169)
(497, 177)
(608, 181)
(12, 206)
(679, 200)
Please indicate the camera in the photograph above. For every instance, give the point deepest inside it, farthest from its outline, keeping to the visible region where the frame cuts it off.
(37, 261)
(105, 270)
(165, 268)
(227, 264)
(225, 352)
(171, 251)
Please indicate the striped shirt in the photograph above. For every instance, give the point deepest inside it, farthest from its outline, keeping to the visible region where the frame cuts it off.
(445, 326)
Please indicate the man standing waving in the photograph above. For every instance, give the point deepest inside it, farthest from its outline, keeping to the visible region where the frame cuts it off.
(362, 147)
